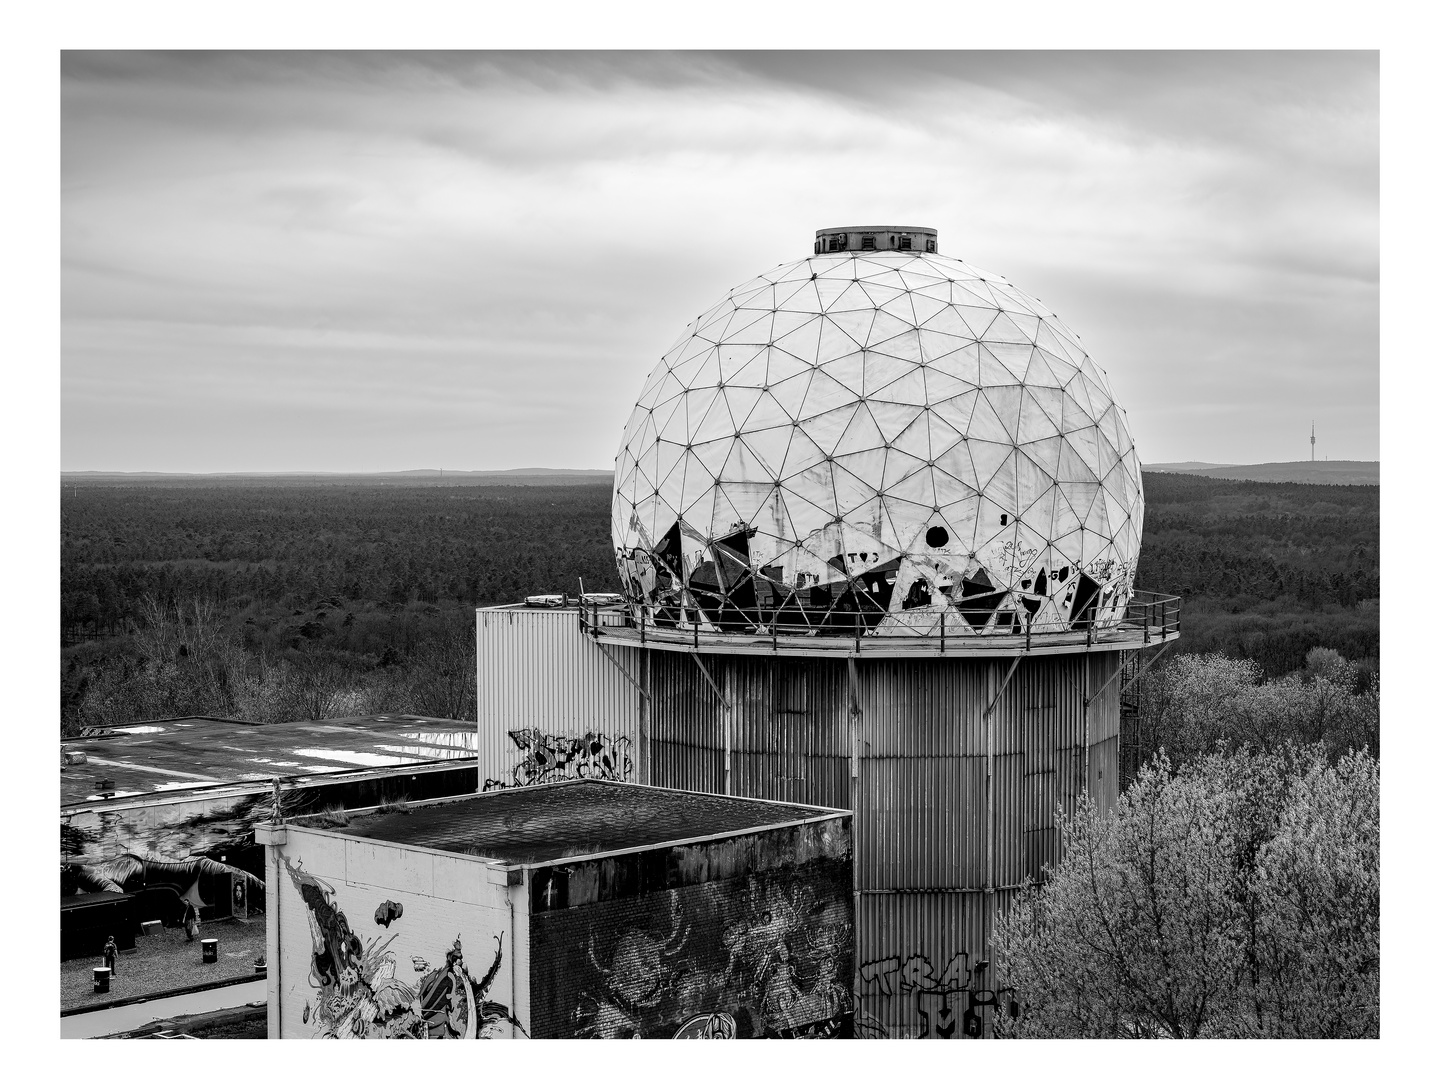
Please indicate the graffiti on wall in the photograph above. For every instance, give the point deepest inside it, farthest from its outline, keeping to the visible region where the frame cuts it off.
(550, 757)
(939, 999)
(361, 995)
(764, 956)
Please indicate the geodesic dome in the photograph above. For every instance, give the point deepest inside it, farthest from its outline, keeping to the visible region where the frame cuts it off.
(870, 441)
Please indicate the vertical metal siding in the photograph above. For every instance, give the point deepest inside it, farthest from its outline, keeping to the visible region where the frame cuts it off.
(535, 669)
(920, 821)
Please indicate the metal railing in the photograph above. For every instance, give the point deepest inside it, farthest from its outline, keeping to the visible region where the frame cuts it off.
(1155, 614)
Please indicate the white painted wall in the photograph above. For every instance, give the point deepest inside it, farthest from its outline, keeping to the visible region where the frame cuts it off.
(444, 897)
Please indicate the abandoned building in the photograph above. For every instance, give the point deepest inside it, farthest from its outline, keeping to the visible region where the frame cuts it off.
(877, 516)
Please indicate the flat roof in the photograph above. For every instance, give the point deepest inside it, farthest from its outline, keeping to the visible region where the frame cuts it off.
(572, 819)
(195, 752)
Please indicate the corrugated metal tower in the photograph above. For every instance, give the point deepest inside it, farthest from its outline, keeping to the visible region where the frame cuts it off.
(877, 517)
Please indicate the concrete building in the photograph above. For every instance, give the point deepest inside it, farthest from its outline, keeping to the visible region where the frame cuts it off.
(570, 909)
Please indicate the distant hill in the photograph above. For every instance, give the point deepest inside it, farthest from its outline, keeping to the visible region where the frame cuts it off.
(1280, 472)
(528, 477)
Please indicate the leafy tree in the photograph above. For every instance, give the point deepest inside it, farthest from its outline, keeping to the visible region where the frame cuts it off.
(1237, 896)
(1195, 703)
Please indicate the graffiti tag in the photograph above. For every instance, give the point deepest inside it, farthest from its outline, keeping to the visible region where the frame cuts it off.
(549, 758)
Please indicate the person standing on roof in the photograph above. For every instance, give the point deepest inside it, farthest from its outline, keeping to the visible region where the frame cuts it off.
(112, 951)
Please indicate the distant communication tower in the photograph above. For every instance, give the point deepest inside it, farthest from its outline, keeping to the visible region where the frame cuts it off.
(1312, 440)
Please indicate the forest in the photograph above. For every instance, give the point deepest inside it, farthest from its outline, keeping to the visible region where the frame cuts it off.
(283, 598)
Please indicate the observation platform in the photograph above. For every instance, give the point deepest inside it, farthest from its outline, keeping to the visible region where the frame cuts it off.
(1150, 619)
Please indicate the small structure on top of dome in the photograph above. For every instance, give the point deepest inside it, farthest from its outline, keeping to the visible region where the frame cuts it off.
(877, 440)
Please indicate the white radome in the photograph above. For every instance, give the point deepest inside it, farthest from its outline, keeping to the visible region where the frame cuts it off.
(877, 442)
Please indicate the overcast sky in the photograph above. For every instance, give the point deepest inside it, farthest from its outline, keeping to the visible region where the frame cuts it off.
(357, 262)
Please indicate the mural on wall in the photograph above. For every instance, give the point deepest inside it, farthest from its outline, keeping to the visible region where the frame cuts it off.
(223, 826)
(165, 885)
(756, 956)
(549, 758)
(360, 994)
(939, 1000)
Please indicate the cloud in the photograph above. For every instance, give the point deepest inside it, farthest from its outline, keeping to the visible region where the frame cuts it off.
(472, 260)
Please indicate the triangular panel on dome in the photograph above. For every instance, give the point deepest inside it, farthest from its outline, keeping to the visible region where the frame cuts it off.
(804, 340)
(710, 456)
(999, 486)
(892, 418)
(1024, 320)
(804, 297)
(741, 365)
(1072, 466)
(716, 423)
(827, 428)
(704, 374)
(958, 515)
(878, 369)
(770, 446)
(854, 325)
(861, 433)
(985, 423)
(755, 294)
(1086, 442)
(909, 388)
(812, 493)
(1015, 358)
(938, 383)
(917, 488)
(803, 453)
(1040, 410)
(914, 439)
(851, 491)
(927, 307)
(852, 298)
(671, 488)
(917, 275)
(713, 325)
(848, 370)
(767, 412)
(790, 393)
(700, 498)
(867, 466)
(1099, 396)
(993, 371)
(948, 321)
(885, 326)
(1045, 453)
(1076, 414)
(963, 364)
(902, 520)
(1032, 483)
(1005, 401)
(742, 466)
(958, 463)
(942, 435)
(902, 346)
(750, 328)
(1003, 328)
(741, 400)
(833, 289)
(825, 394)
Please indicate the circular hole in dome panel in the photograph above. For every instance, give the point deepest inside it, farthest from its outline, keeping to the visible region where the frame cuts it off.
(937, 536)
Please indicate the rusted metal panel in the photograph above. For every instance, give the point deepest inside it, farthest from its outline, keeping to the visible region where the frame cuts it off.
(542, 686)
